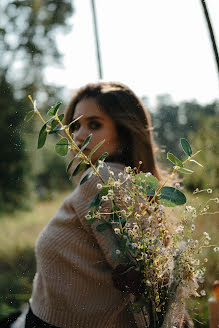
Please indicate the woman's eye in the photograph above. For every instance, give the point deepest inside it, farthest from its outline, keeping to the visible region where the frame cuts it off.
(75, 126)
(94, 125)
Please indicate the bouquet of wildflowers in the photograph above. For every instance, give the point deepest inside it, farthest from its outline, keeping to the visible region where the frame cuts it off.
(158, 265)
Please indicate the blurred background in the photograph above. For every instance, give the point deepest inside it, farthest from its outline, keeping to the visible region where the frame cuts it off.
(49, 48)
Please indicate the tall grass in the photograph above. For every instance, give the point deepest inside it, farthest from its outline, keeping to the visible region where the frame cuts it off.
(18, 234)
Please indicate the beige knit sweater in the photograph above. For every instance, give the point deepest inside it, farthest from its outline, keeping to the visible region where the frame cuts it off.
(73, 285)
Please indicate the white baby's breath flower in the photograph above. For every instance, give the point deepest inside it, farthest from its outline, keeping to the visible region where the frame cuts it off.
(148, 174)
(111, 172)
(99, 186)
(206, 242)
(105, 198)
(128, 169)
(209, 191)
(216, 249)
(193, 227)
(116, 184)
(120, 174)
(179, 229)
(196, 243)
(117, 231)
(118, 251)
(177, 185)
(161, 207)
(217, 200)
(202, 292)
(88, 217)
(127, 198)
(101, 164)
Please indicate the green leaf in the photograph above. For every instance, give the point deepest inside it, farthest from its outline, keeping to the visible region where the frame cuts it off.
(42, 136)
(86, 142)
(186, 171)
(102, 227)
(54, 109)
(95, 148)
(79, 168)
(87, 176)
(62, 147)
(172, 158)
(91, 221)
(54, 124)
(78, 118)
(149, 184)
(171, 197)
(70, 164)
(192, 160)
(97, 200)
(29, 115)
(103, 156)
(186, 146)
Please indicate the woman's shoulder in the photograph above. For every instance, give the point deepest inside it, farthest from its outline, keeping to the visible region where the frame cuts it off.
(92, 179)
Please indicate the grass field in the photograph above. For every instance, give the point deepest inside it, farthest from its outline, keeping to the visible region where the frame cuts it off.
(18, 234)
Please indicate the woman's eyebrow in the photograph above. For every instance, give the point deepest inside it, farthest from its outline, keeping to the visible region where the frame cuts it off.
(89, 118)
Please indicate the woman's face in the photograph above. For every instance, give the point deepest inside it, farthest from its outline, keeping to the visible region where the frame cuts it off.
(98, 123)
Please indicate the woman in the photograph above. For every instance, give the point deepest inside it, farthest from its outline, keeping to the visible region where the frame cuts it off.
(73, 285)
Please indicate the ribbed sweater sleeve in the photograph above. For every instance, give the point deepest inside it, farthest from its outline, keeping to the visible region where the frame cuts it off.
(86, 192)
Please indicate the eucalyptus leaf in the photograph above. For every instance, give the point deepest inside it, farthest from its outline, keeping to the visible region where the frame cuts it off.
(102, 157)
(95, 148)
(186, 146)
(192, 160)
(186, 171)
(54, 109)
(85, 178)
(172, 158)
(70, 164)
(42, 136)
(91, 221)
(86, 142)
(146, 184)
(54, 124)
(79, 168)
(29, 115)
(102, 227)
(72, 122)
(62, 147)
(171, 197)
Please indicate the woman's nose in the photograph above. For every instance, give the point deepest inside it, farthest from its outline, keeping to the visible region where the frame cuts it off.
(80, 135)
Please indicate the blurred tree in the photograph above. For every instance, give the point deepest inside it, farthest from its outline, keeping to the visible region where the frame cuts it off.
(14, 164)
(27, 45)
(205, 139)
(174, 121)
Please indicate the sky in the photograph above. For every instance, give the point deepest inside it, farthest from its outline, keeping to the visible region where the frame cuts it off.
(154, 46)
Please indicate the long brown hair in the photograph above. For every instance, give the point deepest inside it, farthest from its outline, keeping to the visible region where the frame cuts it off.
(131, 118)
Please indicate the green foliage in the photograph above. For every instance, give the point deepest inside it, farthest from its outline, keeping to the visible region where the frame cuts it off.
(186, 146)
(206, 139)
(16, 277)
(148, 184)
(62, 147)
(172, 158)
(14, 164)
(30, 44)
(171, 197)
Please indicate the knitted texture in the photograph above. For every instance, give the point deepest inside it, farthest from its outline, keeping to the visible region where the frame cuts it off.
(73, 285)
